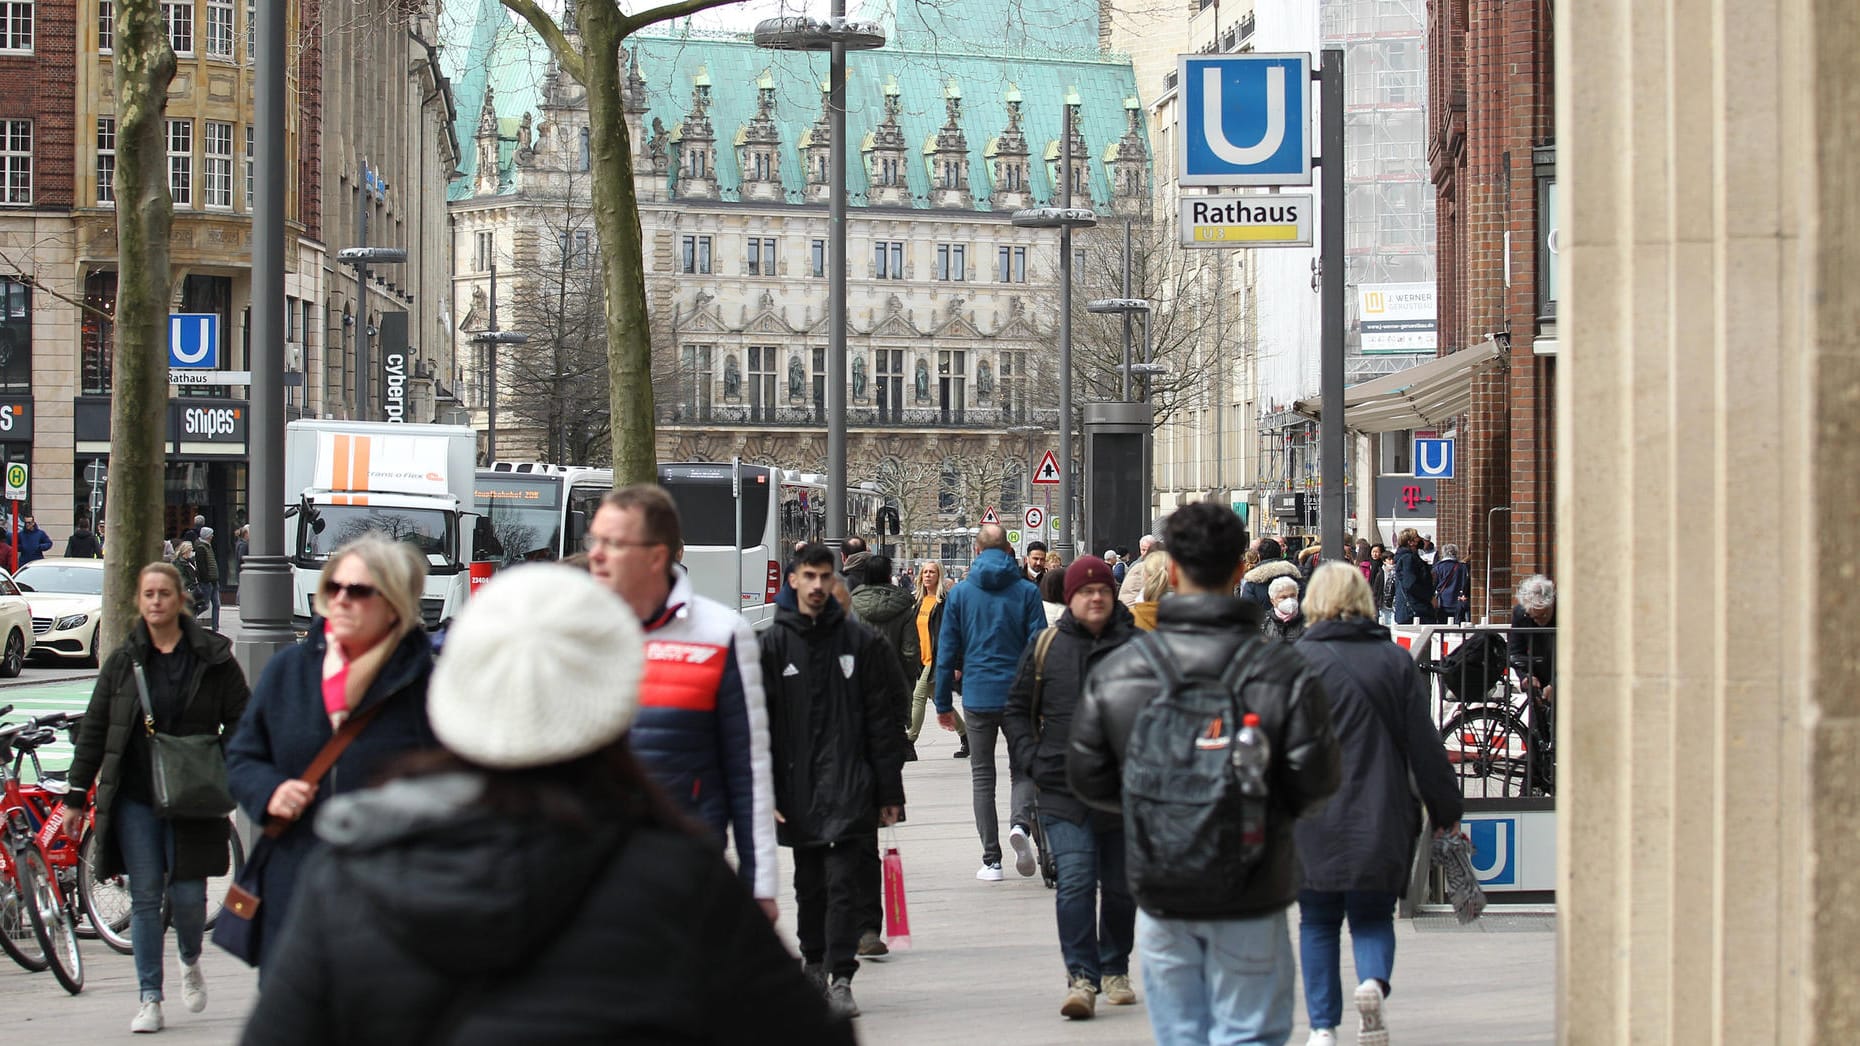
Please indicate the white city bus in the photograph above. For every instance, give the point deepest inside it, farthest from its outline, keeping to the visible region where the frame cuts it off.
(737, 520)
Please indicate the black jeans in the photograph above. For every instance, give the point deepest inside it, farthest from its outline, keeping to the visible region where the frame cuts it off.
(828, 898)
(871, 884)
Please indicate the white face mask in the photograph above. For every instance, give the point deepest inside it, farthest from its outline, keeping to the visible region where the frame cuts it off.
(1287, 608)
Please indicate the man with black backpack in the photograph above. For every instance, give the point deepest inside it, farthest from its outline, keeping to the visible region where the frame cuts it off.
(1211, 742)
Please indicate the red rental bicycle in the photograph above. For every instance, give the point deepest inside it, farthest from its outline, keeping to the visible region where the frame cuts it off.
(31, 894)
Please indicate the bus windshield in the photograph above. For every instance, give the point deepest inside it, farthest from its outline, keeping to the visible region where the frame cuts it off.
(706, 509)
(520, 518)
(327, 528)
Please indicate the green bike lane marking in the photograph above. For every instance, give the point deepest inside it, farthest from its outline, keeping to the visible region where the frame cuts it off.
(70, 695)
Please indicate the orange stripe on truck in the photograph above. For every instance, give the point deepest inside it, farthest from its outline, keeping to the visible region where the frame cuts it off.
(362, 478)
(339, 475)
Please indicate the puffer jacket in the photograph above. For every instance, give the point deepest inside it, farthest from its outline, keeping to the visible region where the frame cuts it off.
(427, 919)
(988, 620)
(1038, 749)
(703, 732)
(1256, 584)
(838, 747)
(1202, 633)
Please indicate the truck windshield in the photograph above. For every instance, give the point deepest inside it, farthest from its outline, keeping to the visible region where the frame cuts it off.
(423, 528)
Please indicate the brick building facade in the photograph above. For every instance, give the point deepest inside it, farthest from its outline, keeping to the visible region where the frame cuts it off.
(1491, 150)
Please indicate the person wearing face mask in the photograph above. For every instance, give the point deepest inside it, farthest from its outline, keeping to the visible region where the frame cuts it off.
(1286, 620)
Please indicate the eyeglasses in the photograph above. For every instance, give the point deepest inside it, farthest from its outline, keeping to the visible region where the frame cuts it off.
(357, 592)
(590, 543)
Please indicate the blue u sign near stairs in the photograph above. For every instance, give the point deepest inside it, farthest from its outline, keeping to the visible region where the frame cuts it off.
(1245, 119)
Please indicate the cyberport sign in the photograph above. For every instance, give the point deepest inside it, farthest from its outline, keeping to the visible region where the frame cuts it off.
(1257, 220)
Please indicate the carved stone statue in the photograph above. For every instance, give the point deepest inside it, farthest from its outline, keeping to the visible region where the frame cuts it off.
(858, 377)
(923, 379)
(732, 378)
(474, 318)
(656, 145)
(797, 378)
(984, 380)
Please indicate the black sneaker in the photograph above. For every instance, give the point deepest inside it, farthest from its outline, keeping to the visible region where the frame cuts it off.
(872, 946)
(840, 998)
(816, 975)
(962, 752)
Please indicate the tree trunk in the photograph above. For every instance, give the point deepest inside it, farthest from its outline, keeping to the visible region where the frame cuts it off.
(144, 65)
(616, 225)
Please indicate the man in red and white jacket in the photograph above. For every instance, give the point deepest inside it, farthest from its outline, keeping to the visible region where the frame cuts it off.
(703, 728)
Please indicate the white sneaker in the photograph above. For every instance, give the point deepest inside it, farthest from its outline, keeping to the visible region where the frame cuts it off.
(990, 873)
(1322, 1037)
(1370, 1031)
(148, 1018)
(193, 987)
(1023, 851)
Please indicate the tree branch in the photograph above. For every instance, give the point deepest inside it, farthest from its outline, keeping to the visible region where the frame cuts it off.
(565, 54)
(19, 271)
(630, 24)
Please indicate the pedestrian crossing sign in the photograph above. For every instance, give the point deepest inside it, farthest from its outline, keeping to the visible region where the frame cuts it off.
(1048, 472)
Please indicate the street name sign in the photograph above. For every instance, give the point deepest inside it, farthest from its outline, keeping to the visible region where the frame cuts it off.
(209, 377)
(1245, 119)
(1261, 220)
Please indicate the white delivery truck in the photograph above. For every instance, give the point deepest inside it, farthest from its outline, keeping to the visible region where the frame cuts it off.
(412, 483)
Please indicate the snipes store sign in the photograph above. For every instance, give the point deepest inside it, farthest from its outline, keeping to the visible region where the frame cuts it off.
(1397, 317)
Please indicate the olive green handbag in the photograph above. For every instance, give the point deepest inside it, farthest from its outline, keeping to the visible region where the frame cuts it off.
(190, 769)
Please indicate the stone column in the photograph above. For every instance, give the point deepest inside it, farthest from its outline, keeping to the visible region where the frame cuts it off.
(1708, 419)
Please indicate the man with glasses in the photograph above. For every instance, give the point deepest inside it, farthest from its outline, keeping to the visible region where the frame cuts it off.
(702, 731)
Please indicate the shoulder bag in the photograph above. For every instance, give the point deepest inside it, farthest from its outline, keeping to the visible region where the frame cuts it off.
(238, 929)
(190, 769)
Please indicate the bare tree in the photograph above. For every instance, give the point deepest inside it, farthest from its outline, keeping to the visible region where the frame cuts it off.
(908, 484)
(144, 65)
(975, 472)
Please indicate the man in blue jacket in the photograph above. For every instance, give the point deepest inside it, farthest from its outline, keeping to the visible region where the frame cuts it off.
(33, 542)
(988, 620)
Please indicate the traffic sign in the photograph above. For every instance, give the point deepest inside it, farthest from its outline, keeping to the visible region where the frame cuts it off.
(1245, 119)
(209, 377)
(1048, 472)
(990, 517)
(1035, 517)
(1013, 537)
(16, 475)
(194, 340)
(1433, 458)
(1262, 220)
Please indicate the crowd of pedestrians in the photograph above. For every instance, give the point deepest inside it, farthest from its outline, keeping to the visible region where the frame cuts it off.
(526, 834)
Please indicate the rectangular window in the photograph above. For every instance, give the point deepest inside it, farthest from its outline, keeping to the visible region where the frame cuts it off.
(179, 20)
(15, 335)
(761, 257)
(1014, 384)
(694, 255)
(15, 161)
(106, 25)
(251, 30)
(762, 382)
(217, 144)
(1011, 265)
(888, 259)
(889, 389)
(952, 369)
(251, 170)
(820, 385)
(181, 162)
(698, 367)
(952, 261)
(572, 249)
(220, 29)
(485, 251)
(106, 159)
(16, 25)
(817, 257)
(97, 335)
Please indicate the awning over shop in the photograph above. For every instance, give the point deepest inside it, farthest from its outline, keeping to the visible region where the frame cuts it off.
(1426, 396)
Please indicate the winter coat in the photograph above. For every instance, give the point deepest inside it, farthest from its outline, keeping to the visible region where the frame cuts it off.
(1143, 615)
(1529, 649)
(988, 621)
(209, 563)
(215, 698)
(1202, 633)
(892, 613)
(190, 573)
(82, 544)
(284, 728)
(1283, 631)
(1364, 837)
(1414, 588)
(1038, 749)
(425, 919)
(1256, 584)
(1453, 584)
(834, 732)
(1384, 585)
(33, 544)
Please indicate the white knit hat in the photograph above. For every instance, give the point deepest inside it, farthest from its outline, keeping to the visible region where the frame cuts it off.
(542, 667)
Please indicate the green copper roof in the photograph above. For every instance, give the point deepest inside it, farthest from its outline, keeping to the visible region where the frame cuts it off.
(985, 70)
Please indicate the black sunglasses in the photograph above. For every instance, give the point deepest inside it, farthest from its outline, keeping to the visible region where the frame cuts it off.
(358, 592)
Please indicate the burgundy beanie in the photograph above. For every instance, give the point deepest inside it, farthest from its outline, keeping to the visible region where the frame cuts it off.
(1088, 570)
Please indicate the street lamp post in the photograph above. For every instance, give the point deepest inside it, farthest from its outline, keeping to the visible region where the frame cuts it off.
(361, 258)
(836, 36)
(1064, 218)
(489, 339)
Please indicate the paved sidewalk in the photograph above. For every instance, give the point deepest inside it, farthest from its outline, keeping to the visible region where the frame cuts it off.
(984, 967)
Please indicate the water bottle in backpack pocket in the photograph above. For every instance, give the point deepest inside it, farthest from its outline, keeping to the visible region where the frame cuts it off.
(1195, 789)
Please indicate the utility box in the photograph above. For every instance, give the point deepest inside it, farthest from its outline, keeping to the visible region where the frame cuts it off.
(1119, 460)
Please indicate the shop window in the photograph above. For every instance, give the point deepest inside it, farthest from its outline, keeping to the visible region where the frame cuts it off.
(15, 335)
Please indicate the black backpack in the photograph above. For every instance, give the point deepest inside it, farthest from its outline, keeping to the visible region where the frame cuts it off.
(1474, 667)
(1192, 837)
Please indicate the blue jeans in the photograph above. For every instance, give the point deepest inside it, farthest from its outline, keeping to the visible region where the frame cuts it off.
(1217, 982)
(1092, 941)
(1372, 940)
(984, 728)
(147, 845)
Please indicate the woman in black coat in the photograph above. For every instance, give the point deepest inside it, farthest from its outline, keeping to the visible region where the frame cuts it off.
(365, 650)
(1356, 852)
(1414, 582)
(195, 687)
(530, 885)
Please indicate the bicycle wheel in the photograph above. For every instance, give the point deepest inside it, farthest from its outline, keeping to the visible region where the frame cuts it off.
(1491, 744)
(105, 901)
(16, 936)
(219, 884)
(52, 920)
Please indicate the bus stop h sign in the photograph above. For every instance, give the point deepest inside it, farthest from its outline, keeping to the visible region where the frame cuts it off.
(1245, 119)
